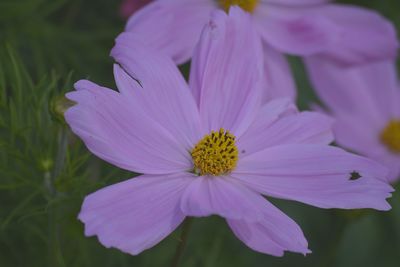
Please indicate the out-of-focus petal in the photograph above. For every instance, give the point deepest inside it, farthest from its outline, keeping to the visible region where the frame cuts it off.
(289, 30)
(227, 69)
(305, 127)
(316, 175)
(173, 27)
(357, 134)
(136, 214)
(160, 89)
(279, 78)
(274, 234)
(392, 162)
(221, 196)
(296, 2)
(370, 90)
(122, 134)
(345, 34)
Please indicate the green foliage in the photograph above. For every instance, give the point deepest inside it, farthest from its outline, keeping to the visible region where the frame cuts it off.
(45, 171)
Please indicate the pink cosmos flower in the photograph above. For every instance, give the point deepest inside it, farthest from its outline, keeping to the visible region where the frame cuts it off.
(210, 148)
(128, 7)
(365, 102)
(343, 34)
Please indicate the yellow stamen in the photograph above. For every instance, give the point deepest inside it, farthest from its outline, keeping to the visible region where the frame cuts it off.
(215, 154)
(390, 136)
(247, 5)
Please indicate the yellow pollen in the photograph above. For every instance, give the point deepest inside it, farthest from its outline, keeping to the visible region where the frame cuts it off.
(390, 136)
(247, 5)
(215, 154)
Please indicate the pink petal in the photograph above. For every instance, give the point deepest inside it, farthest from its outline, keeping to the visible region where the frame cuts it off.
(362, 140)
(372, 90)
(227, 70)
(122, 134)
(304, 127)
(162, 91)
(278, 75)
(269, 114)
(291, 30)
(317, 175)
(221, 196)
(392, 162)
(357, 134)
(172, 27)
(343, 33)
(362, 100)
(296, 2)
(136, 214)
(274, 234)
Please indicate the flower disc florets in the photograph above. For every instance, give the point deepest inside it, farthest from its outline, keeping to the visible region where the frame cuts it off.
(248, 5)
(390, 136)
(215, 154)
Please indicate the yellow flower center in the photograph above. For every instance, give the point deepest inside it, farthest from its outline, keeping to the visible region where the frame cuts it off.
(215, 154)
(390, 136)
(248, 5)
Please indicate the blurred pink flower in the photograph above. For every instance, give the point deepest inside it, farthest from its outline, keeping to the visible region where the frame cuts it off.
(343, 34)
(128, 7)
(211, 147)
(365, 102)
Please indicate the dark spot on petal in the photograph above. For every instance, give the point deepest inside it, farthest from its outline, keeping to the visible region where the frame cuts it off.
(355, 175)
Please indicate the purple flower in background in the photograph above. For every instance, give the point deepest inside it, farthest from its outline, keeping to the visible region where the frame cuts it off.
(365, 102)
(210, 148)
(343, 34)
(128, 7)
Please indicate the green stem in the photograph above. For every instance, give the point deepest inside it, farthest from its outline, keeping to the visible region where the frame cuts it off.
(54, 250)
(60, 157)
(182, 242)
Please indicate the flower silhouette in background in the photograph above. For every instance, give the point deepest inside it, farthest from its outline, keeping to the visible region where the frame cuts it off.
(210, 148)
(365, 101)
(341, 34)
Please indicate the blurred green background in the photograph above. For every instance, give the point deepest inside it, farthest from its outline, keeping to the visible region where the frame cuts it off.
(45, 172)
